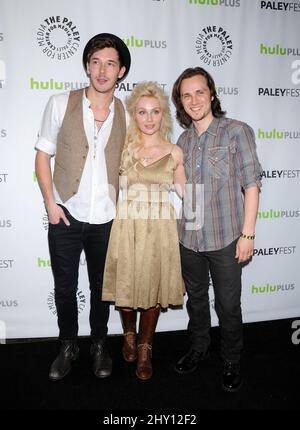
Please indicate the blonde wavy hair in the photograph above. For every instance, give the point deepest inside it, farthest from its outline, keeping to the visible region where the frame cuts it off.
(133, 139)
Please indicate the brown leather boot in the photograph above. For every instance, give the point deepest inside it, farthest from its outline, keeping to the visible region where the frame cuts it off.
(148, 321)
(129, 326)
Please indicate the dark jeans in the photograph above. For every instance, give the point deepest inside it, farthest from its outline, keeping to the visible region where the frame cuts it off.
(226, 277)
(65, 245)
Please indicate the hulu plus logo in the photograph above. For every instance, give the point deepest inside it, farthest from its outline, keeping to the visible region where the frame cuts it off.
(271, 288)
(278, 50)
(275, 134)
(52, 84)
(226, 3)
(272, 214)
(132, 42)
(44, 263)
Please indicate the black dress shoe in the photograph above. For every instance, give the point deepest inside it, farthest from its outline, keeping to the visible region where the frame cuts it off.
(102, 362)
(231, 378)
(61, 366)
(189, 362)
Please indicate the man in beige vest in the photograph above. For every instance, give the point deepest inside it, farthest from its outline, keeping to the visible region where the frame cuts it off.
(84, 130)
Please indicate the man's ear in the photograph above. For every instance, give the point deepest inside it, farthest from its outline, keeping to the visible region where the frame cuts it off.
(121, 72)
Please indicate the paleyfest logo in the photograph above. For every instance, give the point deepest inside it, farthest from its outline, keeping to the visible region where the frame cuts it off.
(58, 37)
(214, 45)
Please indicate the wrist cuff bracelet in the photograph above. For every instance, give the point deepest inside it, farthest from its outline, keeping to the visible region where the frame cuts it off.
(247, 236)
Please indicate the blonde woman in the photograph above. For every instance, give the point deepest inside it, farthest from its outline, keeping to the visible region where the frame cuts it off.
(142, 269)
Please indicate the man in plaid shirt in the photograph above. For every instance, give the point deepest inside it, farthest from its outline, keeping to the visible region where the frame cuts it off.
(223, 184)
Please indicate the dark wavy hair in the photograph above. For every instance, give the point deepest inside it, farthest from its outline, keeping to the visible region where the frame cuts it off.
(101, 44)
(182, 117)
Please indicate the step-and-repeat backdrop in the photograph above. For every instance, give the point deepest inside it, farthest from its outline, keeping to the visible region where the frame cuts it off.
(252, 49)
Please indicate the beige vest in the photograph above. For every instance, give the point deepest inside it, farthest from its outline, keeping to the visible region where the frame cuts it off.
(72, 148)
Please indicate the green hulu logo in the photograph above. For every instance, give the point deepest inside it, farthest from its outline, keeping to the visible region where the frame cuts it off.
(271, 134)
(272, 50)
(271, 214)
(43, 263)
(132, 42)
(269, 288)
(208, 2)
(276, 134)
(278, 50)
(268, 214)
(48, 85)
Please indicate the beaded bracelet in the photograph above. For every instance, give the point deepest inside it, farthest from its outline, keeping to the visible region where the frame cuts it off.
(247, 236)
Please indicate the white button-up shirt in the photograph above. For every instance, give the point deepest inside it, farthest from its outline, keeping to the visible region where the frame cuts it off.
(92, 203)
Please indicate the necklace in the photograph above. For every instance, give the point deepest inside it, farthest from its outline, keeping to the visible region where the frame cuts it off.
(102, 120)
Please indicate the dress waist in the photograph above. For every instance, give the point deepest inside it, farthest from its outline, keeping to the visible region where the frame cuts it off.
(145, 195)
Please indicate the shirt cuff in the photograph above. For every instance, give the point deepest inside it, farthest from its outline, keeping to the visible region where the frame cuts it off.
(255, 183)
(45, 145)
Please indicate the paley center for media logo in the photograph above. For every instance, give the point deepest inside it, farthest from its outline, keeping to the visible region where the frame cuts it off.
(81, 302)
(45, 221)
(224, 3)
(214, 46)
(280, 6)
(58, 37)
